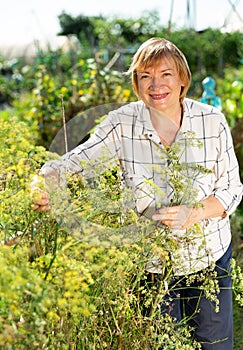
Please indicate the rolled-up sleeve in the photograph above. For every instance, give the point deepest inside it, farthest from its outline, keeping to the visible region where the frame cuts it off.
(101, 148)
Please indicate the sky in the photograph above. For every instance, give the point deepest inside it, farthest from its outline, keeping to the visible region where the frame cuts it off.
(24, 21)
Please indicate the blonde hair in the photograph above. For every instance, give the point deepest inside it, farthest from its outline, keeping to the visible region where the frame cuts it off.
(151, 51)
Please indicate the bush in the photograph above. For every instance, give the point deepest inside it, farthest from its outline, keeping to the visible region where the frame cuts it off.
(82, 286)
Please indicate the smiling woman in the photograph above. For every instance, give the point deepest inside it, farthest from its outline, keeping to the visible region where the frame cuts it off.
(134, 137)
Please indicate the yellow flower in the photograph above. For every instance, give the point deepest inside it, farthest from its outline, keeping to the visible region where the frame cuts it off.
(93, 73)
(63, 89)
(126, 93)
(62, 302)
(74, 82)
(68, 294)
(80, 62)
(52, 316)
(118, 90)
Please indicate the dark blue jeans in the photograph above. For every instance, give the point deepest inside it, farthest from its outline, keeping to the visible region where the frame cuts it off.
(214, 330)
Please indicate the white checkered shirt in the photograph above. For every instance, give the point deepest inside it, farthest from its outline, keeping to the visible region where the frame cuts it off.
(129, 136)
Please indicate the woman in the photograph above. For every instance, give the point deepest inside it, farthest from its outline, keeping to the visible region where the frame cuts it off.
(135, 134)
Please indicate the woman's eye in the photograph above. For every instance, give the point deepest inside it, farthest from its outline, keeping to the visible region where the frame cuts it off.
(166, 74)
(144, 76)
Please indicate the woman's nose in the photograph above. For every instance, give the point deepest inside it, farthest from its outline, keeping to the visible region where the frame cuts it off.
(156, 83)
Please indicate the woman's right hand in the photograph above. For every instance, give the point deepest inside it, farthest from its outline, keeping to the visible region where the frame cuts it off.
(40, 198)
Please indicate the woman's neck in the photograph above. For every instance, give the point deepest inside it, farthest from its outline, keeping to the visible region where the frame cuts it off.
(158, 117)
(166, 127)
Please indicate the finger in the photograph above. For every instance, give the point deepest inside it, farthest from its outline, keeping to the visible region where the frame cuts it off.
(169, 210)
(158, 217)
(163, 219)
(45, 207)
(41, 208)
(165, 215)
(35, 207)
(170, 223)
(40, 203)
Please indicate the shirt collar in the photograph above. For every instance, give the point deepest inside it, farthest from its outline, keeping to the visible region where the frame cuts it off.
(143, 116)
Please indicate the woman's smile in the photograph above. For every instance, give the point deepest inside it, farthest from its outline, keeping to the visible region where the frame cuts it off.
(157, 97)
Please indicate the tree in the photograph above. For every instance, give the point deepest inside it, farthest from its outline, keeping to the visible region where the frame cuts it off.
(107, 32)
(81, 26)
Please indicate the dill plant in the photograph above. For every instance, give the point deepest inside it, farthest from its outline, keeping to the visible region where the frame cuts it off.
(76, 278)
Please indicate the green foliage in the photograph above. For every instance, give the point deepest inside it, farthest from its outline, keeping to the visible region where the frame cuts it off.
(38, 302)
(11, 79)
(81, 26)
(88, 86)
(83, 287)
(111, 32)
(230, 89)
(208, 51)
(86, 76)
(19, 159)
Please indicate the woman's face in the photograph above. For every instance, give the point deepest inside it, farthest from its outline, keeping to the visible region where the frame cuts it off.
(159, 86)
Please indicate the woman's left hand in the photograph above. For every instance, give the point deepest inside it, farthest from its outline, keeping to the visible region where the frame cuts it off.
(177, 217)
(180, 217)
